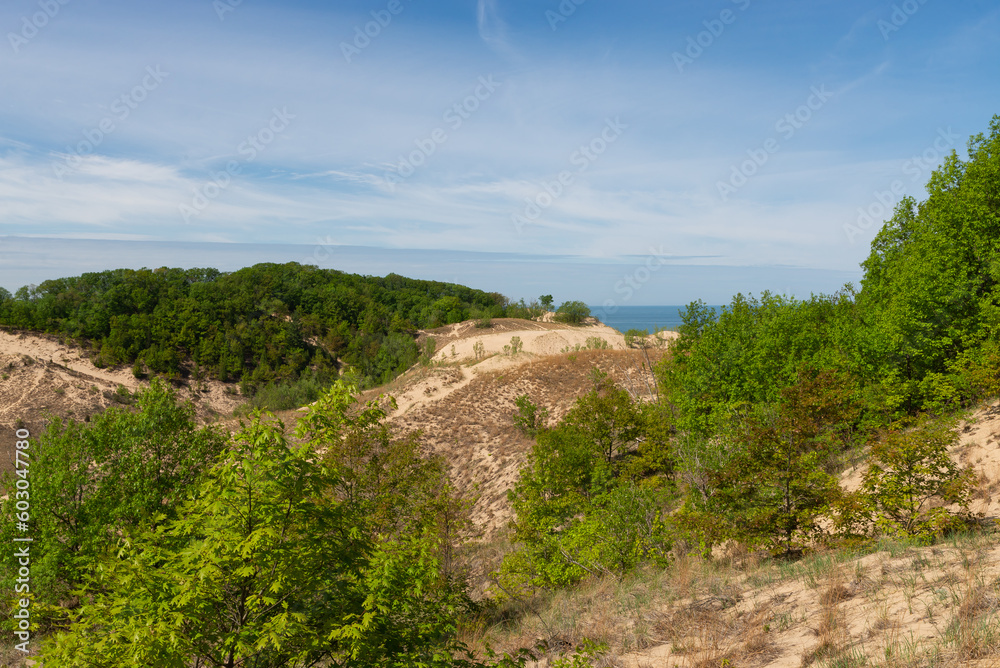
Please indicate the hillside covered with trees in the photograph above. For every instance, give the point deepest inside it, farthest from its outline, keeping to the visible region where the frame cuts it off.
(257, 325)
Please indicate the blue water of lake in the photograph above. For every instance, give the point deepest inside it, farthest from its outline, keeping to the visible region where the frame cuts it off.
(649, 318)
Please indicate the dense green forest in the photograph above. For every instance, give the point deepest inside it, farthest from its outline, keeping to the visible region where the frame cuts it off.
(160, 544)
(257, 325)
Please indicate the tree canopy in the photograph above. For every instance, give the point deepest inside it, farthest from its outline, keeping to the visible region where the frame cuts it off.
(260, 324)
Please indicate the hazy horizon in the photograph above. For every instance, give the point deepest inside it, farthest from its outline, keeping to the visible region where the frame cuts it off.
(628, 281)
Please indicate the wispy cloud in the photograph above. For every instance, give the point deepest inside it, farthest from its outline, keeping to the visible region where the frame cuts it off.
(493, 30)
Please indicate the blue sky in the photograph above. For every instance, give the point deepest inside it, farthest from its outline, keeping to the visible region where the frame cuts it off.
(595, 148)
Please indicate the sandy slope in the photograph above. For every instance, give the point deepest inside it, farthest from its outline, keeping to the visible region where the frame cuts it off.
(538, 338)
(41, 377)
(980, 448)
(886, 599)
(463, 405)
(456, 347)
(48, 350)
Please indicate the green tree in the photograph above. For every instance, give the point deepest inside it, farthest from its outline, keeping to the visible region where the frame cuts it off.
(931, 291)
(397, 490)
(747, 354)
(270, 323)
(546, 302)
(773, 488)
(579, 507)
(636, 338)
(609, 418)
(529, 418)
(908, 469)
(573, 313)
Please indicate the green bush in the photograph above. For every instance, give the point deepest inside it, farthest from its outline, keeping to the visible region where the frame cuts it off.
(582, 506)
(337, 559)
(907, 470)
(573, 313)
(528, 417)
(430, 347)
(635, 337)
(282, 396)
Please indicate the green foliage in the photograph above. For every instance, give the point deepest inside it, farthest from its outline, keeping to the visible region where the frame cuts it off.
(922, 334)
(93, 482)
(529, 418)
(430, 347)
(584, 657)
(546, 302)
(907, 470)
(285, 557)
(285, 395)
(580, 509)
(514, 347)
(255, 538)
(747, 355)
(397, 490)
(931, 289)
(608, 418)
(635, 337)
(597, 343)
(258, 325)
(531, 311)
(573, 313)
(592, 343)
(776, 483)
